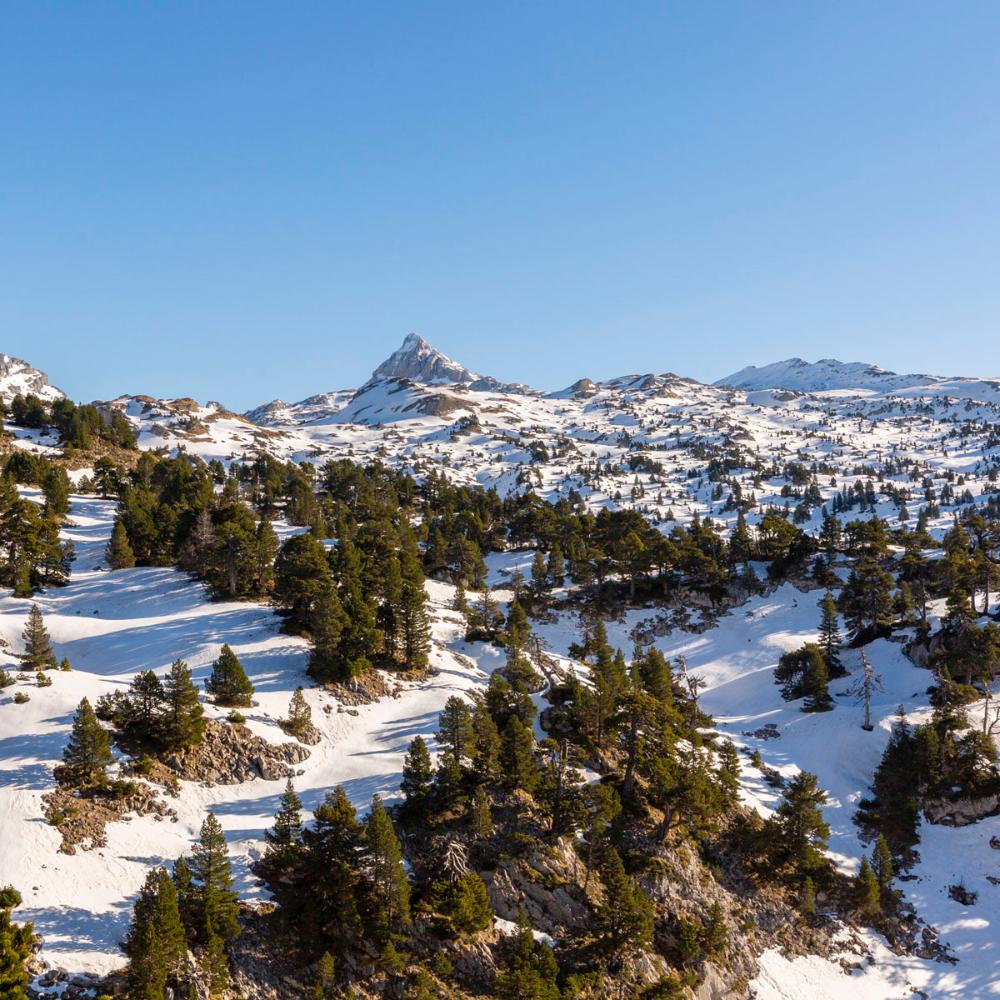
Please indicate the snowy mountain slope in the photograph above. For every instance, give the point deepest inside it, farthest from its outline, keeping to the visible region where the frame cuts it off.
(830, 375)
(17, 377)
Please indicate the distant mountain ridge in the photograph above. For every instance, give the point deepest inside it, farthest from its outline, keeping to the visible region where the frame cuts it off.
(17, 377)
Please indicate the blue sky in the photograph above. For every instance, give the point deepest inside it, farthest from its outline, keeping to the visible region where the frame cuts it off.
(247, 200)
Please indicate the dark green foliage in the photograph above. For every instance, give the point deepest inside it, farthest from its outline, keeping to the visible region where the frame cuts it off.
(214, 909)
(229, 684)
(388, 900)
(418, 781)
(803, 832)
(517, 756)
(533, 970)
(882, 862)
(803, 673)
(119, 554)
(829, 636)
(626, 917)
(284, 839)
(88, 751)
(155, 943)
(299, 714)
(37, 653)
(867, 894)
(467, 904)
(183, 721)
(16, 942)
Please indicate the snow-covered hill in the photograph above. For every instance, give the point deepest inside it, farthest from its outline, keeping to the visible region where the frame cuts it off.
(17, 377)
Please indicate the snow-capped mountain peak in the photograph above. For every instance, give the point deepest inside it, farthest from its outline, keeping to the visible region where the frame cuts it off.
(820, 376)
(18, 377)
(417, 360)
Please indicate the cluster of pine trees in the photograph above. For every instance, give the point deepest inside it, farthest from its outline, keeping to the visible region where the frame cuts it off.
(195, 908)
(79, 426)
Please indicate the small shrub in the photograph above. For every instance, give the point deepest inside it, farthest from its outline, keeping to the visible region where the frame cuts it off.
(43, 680)
(236, 718)
(21, 697)
(6, 678)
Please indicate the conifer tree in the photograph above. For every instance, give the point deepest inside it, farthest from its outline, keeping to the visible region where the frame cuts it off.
(119, 554)
(517, 756)
(481, 816)
(485, 744)
(555, 568)
(455, 728)
(155, 943)
(285, 837)
(326, 977)
(817, 697)
(229, 684)
(882, 862)
(539, 572)
(867, 894)
(807, 898)
(469, 905)
(418, 780)
(829, 636)
(88, 752)
(389, 901)
(804, 832)
(15, 947)
(37, 653)
(533, 969)
(626, 917)
(183, 717)
(299, 714)
(215, 901)
(265, 550)
(327, 623)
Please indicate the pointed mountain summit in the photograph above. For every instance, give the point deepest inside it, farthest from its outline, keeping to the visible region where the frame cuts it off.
(17, 377)
(415, 359)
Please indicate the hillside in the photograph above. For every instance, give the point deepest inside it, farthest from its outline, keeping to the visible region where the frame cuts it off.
(693, 520)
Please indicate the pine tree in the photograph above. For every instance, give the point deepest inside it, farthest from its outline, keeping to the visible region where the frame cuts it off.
(299, 718)
(88, 752)
(229, 684)
(390, 891)
(469, 905)
(119, 554)
(539, 572)
(485, 744)
(455, 728)
(185, 890)
(626, 917)
(807, 898)
(481, 816)
(215, 901)
(183, 717)
(533, 969)
(327, 623)
(800, 820)
(15, 948)
(517, 756)
(716, 936)
(37, 653)
(817, 697)
(155, 943)
(556, 568)
(413, 617)
(867, 894)
(418, 780)
(285, 838)
(829, 636)
(264, 552)
(326, 978)
(882, 862)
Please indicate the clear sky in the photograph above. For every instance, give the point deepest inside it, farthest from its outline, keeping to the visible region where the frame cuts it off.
(242, 200)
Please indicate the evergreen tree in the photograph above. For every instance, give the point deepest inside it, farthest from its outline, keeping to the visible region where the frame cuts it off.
(800, 821)
(285, 838)
(469, 905)
(817, 697)
(485, 744)
(539, 573)
(533, 969)
(16, 942)
(326, 978)
(216, 908)
(299, 714)
(829, 636)
(183, 717)
(88, 752)
(626, 917)
(119, 554)
(37, 653)
(327, 623)
(716, 936)
(882, 862)
(867, 895)
(481, 816)
(517, 756)
(455, 728)
(229, 684)
(155, 943)
(389, 897)
(555, 569)
(265, 550)
(807, 898)
(418, 780)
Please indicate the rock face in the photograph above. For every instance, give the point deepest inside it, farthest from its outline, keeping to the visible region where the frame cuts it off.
(231, 754)
(961, 812)
(416, 359)
(18, 377)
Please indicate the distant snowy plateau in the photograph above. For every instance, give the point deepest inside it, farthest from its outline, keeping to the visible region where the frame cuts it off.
(626, 442)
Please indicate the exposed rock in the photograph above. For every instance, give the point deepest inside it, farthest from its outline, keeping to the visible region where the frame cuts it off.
(961, 812)
(231, 753)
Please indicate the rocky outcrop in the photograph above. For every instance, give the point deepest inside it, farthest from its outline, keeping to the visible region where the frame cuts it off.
(230, 754)
(961, 812)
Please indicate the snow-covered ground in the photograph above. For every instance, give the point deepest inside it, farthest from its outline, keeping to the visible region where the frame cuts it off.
(112, 625)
